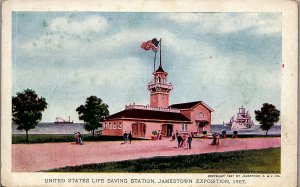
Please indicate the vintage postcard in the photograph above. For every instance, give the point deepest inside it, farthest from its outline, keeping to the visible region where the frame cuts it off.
(168, 93)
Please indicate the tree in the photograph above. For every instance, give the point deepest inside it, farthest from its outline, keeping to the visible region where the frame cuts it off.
(92, 113)
(27, 110)
(267, 116)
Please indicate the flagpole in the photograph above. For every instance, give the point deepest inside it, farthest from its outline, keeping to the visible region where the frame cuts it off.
(160, 52)
(154, 61)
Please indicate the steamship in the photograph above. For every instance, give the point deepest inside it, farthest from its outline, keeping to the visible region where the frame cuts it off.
(242, 120)
(59, 120)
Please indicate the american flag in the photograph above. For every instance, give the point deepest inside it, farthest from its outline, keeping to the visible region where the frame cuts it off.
(150, 44)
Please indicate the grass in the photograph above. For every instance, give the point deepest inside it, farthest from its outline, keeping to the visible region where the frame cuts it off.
(51, 138)
(254, 135)
(250, 161)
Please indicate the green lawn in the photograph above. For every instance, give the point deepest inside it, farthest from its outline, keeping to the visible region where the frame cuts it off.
(251, 161)
(47, 138)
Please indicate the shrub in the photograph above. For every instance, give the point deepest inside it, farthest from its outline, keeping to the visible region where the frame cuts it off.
(154, 132)
(52, 138)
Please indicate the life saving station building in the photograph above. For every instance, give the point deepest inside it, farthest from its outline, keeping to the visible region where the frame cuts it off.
(142, 120)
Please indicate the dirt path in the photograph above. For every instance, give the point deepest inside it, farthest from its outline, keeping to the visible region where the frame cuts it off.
(36, 157)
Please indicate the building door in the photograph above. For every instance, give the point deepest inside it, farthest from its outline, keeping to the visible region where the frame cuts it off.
(142, 129)
(138, 129)
(201, 125)
(167, 130)
(134, 129)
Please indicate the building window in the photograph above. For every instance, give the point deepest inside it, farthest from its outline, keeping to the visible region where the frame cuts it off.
(104, 125)
(184, 127)
(115, 125)
(109, 125)
(120, 125)
(200, 115)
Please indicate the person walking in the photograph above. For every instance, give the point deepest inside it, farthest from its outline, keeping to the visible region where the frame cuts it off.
(80, 139)
(180, 140)
(184, 140)
(125, 137)
(158, 135)
(218, 142)
(177, 133)
(189, 141)
(129, 137)
(214, 142)
(76, 137)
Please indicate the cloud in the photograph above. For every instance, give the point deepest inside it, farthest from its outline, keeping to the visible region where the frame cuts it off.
(75, 58)
(170, 42)
(72, 37)
(46, 44)
(69, 35)
(228, 82)
(117, 81)
(66, 44)
(114, 71)
(227, 23)
(90, 24)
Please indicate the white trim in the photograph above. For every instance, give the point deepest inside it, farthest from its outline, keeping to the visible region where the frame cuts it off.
(184, 127)
(206, 106)
(200, 115)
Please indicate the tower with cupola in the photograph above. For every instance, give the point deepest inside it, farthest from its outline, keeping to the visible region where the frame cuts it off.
(159, 89)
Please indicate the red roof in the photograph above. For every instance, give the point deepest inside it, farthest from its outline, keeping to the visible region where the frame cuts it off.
(148, 115)
(190, 105)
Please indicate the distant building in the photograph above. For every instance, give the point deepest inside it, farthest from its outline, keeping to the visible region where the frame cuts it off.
(159, 115)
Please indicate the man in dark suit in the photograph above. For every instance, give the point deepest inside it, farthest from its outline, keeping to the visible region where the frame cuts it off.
(180, 140)
(129, 137)
(125, 137)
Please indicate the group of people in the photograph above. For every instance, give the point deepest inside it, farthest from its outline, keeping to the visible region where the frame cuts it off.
(127, 137)
(78, 138)
(182, 139)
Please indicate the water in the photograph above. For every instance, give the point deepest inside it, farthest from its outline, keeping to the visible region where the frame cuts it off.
(52, 128)
(255, 130)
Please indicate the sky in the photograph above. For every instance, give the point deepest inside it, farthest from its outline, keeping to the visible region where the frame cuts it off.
(226, 60)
